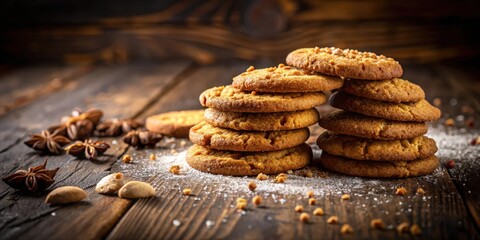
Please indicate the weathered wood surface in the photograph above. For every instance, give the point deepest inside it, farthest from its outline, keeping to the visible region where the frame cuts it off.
(448, 210)
(209, 31)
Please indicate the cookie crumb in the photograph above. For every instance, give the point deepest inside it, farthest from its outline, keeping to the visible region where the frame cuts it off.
(262, 177)
(346, 229)
(280, 178)
(281, 65)
(332, 220)
(475, 141)
(241, 204)
(251, 68)
(299, 208)
(252, 186)
(312, 201)
(187, 191)
(437, 102)
(127, 158)
(153, 157)
(257, 200)
(449, 122)
(308, 174)
(450, 164)
(318, 212)
(377, 223)
(420, 191)
(401, 191)
(253, 93)
(304, 217)
(403, 227)
(415, 230)
(175, 169)
(310, 194)
(345, 197)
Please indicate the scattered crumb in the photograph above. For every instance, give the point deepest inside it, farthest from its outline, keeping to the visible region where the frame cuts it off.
(449, 122)
(403, 227)
(318, 212)
(437, 102)
(450, 164)
(187, 191)
(252, 186)
(312, 201)
(175, 169)
(257, 200)
(262, 177)
(304, 217)
(127, 158)
(415, 230)
(377, 223)
(299, 208)
(401, 191)
(253, 93)
(346, 229)
(332, 220)
(251, 68)
(241, 203)
(153, 157)
(241, 200)
(183, 143)
(475, 141)
(420, 191)
(310, 194)
(280, 178)
(308, 174)
(345, 197)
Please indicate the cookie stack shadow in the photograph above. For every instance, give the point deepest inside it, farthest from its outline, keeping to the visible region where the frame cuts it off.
(259, 124)
(379, 131)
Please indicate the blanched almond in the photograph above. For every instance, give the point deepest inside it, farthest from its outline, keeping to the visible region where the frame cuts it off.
(136, 189)
(65, 195)
(110, 184)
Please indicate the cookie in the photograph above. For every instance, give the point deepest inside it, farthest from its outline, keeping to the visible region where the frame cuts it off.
(230, 99)
(377, 150)
(345, 63)
(247, 163)
(377, 169)
(285, 79)
(262, 121)
(174, 124)
(354, 124)
(210, 136)
(393, 90)
(420, 111)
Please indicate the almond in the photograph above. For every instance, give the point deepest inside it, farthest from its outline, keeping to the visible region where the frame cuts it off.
(136, 189)
(110, 184)
(65, 195)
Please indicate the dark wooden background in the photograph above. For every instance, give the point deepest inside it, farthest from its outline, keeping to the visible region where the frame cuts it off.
(115, 31)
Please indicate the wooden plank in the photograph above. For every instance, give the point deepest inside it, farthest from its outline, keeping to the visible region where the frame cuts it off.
(121, 91)
(210, 213)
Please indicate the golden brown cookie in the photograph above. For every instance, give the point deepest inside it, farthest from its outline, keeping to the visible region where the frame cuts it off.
(378, 169)
(420, 111)
(174, 124)
(377, 150)
(262, 121)
(210, 136)
(345, 63)
(354, 124)
(247, 163)
(285, 79)
(393, 90)
(230, 99)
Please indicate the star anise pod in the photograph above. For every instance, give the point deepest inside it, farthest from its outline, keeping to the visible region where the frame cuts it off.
(80, 125)
(48, 142)
(142, 138)
(35, 179)
(88, 149)
(116, 127)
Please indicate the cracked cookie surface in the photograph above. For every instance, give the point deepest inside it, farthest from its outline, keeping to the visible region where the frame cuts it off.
(262, 121)
(354, 124)
(379, 169)
(393, 90)
(377, 150)
(210, 136)
(248, 163)
(285, 79)
(230, 99)
(420, 111)
(174, 124)
(345, 63)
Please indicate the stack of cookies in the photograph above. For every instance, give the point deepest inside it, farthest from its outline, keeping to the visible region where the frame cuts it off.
(379, 131)
(259, 124)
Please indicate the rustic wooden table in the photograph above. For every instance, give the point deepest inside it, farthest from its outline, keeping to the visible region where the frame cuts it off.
(34, 98)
